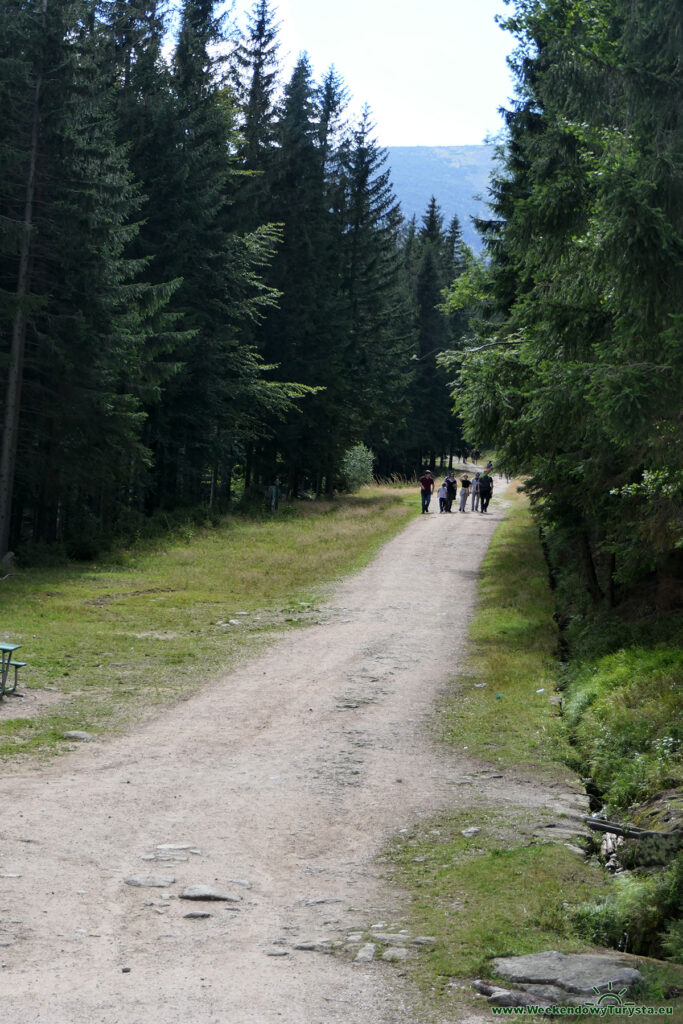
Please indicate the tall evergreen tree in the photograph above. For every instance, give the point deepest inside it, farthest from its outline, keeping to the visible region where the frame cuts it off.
(437, 431)
(85, 338)
(255, 76)
(213, 404)
(377, 365)
(301, 336)
(579, 381)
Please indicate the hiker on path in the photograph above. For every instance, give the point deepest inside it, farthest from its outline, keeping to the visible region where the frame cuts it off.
(485, 490)
(427, 489)
(451, 489)
(441, 495)
(465, 484)
(475, 492)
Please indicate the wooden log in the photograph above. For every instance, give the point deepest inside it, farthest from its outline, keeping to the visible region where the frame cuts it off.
(629, 831)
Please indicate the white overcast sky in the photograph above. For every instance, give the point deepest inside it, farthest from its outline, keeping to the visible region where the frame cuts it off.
(432, 71)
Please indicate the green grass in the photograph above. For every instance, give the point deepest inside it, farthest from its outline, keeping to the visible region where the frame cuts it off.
(498, 893)
(501, 892)
(112, 639)
(512, 652)
(625, 713)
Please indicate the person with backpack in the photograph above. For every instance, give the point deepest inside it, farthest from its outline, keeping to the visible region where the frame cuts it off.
(485, 490)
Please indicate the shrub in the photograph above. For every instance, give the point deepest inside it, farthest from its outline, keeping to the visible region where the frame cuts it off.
(640, 915)
(356, 468)
(625, 715)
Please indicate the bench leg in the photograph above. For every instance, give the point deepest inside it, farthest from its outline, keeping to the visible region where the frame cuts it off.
(13, 690)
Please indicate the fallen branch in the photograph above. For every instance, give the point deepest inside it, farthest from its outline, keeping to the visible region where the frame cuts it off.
(629, 831)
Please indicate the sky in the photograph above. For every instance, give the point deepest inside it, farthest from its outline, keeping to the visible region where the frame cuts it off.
(432, 71)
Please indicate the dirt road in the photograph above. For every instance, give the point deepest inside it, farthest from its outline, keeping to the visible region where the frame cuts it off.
(282, 781)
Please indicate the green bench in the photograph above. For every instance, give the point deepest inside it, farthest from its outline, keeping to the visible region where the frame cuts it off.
(6, 652)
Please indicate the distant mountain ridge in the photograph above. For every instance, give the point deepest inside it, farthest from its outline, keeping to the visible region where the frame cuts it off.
(453, 174)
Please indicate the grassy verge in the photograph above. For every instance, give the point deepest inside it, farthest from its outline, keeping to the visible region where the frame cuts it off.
(493, 893)
(501, 706)
(499, 891)
(108, 640)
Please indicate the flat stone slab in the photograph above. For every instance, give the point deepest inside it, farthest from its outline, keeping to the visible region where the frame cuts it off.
(205, 892)
(366, 954)
(151, 881)
(391, 938)
(77, 734)
(395, 953)
(577, 974)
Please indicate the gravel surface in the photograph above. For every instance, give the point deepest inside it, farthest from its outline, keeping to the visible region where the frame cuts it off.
(274, 788)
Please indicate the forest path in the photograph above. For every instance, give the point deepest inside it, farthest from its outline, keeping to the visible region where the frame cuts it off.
(287, 776)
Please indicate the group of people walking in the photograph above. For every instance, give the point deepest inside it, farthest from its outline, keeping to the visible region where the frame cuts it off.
(478, 490)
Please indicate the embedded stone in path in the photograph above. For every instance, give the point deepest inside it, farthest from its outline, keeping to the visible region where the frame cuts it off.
(366, 954)
(395, 953)
(77, 734)
(391, 938)
(560, 977)
(151, 881)
(205, 892)
(575, 972)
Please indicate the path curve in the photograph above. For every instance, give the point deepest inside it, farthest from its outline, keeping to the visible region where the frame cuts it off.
(289, 774)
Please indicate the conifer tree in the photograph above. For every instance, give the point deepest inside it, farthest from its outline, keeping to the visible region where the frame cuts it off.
(85, 337)
(301, 336)
(255, 77)
(214, 403)
(377, 353)
(437, 431)
(577, 372)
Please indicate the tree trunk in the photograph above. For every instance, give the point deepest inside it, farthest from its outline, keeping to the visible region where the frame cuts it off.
(590, 576)
(8, 456)
(611, 586)
(247, 469)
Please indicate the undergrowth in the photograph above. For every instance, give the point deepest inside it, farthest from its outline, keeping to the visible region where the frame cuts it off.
(624, 713)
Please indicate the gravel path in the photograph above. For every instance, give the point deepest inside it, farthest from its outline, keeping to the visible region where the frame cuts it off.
(276, 785)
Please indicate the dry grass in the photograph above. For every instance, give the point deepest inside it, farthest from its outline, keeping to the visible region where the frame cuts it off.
(113, 639)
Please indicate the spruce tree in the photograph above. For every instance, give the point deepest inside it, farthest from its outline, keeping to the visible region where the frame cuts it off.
(437, 431)
(377, 352)
(255, 78)
(211, 406)
(578, 370)
(80, 434)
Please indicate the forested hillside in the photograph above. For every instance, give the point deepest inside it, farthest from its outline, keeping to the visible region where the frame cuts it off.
(204, 277)
(458, 176)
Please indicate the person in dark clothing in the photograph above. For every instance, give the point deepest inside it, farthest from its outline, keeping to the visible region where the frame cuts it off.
(485, 490)
(427, 488)
(451, 489)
